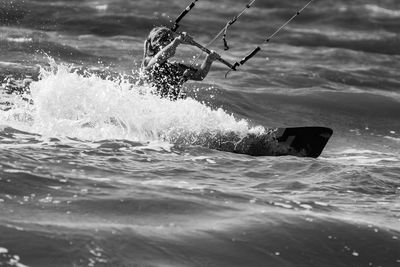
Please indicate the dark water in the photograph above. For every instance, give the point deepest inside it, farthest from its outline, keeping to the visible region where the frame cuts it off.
(95, 174)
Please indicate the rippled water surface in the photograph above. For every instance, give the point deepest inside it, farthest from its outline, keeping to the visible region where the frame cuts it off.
(96, 172)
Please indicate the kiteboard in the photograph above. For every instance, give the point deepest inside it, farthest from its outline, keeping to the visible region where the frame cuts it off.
(293, 141)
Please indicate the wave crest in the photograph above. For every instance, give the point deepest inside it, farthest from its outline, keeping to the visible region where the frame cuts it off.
(64, 102)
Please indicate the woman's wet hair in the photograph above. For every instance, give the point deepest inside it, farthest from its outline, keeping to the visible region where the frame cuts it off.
(158, 36)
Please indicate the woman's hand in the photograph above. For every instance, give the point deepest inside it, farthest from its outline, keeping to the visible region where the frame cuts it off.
(202, 72)
(213, 56)
(184, 38)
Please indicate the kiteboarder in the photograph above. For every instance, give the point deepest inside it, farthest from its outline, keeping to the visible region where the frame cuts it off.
(167, 77)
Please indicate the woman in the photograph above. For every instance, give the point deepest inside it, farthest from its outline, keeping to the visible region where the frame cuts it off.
(168, 77)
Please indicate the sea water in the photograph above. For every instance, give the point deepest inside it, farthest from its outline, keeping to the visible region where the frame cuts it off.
(97, 171)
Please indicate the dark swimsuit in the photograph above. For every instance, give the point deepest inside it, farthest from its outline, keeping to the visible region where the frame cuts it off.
(167, 79)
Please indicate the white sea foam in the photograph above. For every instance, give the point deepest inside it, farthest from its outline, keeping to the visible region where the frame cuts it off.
(363, 157)
(380, 11)
(19, 39)
(360, 151)
(13, 260)
(101, 7)
(283, 205)
(396, 139)
(88, 107)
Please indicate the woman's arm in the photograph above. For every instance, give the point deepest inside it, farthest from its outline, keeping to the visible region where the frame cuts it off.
(168, 51)
(204, 69)
(163, 55)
